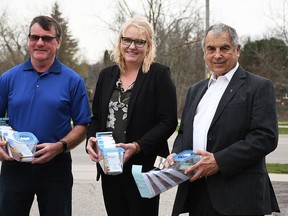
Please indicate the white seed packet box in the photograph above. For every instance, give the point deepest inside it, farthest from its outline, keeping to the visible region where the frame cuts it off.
(111, 156)
(21, 145)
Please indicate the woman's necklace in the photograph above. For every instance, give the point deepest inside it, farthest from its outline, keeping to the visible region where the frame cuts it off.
(122, 91)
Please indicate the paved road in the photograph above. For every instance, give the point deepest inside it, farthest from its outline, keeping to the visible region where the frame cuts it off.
(280, 155)
(87, 195)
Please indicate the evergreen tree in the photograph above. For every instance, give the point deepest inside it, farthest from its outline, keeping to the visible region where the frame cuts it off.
(67, 53)
(106, 59)
(266, 57)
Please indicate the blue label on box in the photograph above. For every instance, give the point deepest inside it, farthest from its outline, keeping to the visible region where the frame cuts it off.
(25, 137)
(184, 155)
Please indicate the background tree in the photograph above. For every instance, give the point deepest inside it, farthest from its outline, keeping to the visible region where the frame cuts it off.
(12, 43)
(181, 51)
(68, 52)
(268, 58)
(94, 73)
(107, 59)
(281, 22)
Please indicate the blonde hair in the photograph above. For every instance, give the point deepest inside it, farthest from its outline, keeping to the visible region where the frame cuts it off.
(144, 27)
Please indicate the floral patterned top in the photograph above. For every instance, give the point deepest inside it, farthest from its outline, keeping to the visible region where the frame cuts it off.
(118, 109)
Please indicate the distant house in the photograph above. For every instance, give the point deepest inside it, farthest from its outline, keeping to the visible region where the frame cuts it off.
(282, 96)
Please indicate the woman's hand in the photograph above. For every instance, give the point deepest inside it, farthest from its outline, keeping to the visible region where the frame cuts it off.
(92, 150)
(130, 150)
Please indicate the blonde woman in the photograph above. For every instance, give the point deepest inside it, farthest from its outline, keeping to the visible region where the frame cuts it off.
(136, 100)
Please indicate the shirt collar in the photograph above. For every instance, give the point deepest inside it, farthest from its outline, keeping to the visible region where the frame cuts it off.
(55, 67)
(228, 75)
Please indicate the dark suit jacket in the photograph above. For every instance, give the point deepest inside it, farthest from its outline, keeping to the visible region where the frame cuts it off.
(152, 112)
(243, 131)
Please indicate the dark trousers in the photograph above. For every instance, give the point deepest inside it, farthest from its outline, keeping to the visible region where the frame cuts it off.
(51, 183)
(121, 197)
(199, 201)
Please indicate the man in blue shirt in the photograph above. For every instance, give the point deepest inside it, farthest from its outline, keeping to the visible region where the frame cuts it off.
(42, 96)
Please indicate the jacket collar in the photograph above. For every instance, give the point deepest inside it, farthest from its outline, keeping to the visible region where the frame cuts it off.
(236, 82)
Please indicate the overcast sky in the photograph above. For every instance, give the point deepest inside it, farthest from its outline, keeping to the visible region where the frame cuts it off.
(249, 17)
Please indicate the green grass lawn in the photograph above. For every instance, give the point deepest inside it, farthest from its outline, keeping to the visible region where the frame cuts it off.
(283, 127)
(277, 168)
(283, 130)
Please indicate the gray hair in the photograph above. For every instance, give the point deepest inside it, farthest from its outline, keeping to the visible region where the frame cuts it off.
(220, 28)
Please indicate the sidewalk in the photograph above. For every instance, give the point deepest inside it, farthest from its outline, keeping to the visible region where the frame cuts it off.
(87, 194)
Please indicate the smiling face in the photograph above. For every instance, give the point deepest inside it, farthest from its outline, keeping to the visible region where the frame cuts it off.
(220, 55)
(43, 52)
(133, 54)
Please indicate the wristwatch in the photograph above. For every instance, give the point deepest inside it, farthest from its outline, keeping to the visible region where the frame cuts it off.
(65, 148)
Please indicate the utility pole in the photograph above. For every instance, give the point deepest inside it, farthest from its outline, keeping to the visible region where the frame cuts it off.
(207, 14)
(207, 26)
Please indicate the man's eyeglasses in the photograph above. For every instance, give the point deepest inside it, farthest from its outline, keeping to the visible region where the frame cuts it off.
(45, 38)
(137, 42)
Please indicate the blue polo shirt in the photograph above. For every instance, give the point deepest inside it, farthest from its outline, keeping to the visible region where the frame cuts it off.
(44, 104)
